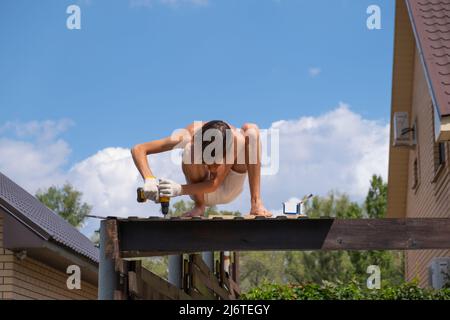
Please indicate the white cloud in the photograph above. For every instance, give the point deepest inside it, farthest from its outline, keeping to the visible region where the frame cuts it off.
(34, 157)
(314, 71)
(337, 150)
(41, 130)
(169, 3)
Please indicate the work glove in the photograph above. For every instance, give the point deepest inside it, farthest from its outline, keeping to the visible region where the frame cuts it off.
(151, 189)
(169, 188)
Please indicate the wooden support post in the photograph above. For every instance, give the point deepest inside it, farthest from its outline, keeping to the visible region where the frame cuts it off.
(235, 272)
(108, 277)
(186, 276)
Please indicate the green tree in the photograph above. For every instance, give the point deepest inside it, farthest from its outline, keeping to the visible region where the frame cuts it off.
(66, 202)
(343, 266)
(181, 206)
(259, 267)
(376, 200)
(391, 263)
(317, 266)
(157, 265)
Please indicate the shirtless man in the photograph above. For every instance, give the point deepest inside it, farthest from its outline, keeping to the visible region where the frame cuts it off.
(213, 180)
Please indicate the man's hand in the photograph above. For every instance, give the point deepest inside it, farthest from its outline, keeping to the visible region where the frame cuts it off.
(151, 189)
(169, 188)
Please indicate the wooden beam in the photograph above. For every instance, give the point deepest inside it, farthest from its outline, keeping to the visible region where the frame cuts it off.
(206, 285)
(144, 237)
(163, 287)
(202, 273)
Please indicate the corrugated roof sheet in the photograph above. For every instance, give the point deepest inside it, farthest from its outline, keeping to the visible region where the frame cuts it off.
(431, 22)
(33, 210)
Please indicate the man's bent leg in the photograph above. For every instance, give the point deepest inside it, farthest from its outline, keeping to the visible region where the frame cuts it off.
(253, 163)
(195, 173)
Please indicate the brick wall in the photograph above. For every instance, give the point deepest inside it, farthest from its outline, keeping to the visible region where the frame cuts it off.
(6, 259)
(431, 197)
(31, 279)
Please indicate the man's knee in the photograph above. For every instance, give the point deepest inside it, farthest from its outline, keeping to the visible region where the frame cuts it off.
(251, 131)
(250, 126)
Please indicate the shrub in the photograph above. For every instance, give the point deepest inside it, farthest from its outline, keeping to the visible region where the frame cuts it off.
(348, 291)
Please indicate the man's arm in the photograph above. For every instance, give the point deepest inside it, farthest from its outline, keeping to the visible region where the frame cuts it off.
(208, 186)
(140, 151)
(170, 188)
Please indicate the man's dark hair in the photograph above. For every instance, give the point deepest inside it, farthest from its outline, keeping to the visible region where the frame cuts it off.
(219, 125)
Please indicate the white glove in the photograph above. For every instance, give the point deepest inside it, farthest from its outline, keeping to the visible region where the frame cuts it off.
(169, 188)
(151, 189)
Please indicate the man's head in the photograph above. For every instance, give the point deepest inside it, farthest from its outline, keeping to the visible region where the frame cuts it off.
(216, 139)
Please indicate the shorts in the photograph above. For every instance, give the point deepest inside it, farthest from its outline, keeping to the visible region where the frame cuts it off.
(229, 190)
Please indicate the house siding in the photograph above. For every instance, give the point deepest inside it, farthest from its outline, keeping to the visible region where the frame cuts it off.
(431, 196)
(32, 279)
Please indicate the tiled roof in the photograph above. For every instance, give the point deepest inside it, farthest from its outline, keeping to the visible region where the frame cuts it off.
(37, 215)
(431, 23)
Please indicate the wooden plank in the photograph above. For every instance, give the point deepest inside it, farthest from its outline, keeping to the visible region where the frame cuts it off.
(143, 236)
(226, 282)
(112, 244)
(208, 277)
(112, 248)
(160, 285)
(235, 287)
(133, 284)
(196, 283)
(198, 261)
(195, 295)
(209, 281)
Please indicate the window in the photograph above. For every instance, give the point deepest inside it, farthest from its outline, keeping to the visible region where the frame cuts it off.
(439, 150)
(415, 174)
(439, 155)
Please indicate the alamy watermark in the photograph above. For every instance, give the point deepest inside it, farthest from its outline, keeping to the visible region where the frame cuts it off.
(73, 21)
(374, 280)
(74, 279)
(373, 22)
(236, 146)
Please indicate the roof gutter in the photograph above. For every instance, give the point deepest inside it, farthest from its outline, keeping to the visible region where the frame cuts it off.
(422, 60)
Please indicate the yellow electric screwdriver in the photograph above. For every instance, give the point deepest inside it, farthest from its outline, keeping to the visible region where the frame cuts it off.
(165, 201)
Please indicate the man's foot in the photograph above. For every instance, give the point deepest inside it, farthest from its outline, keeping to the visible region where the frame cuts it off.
(198, 211)
(260, 211)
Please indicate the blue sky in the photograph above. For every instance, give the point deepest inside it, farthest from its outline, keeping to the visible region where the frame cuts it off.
(74, 101)
(136, 72)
